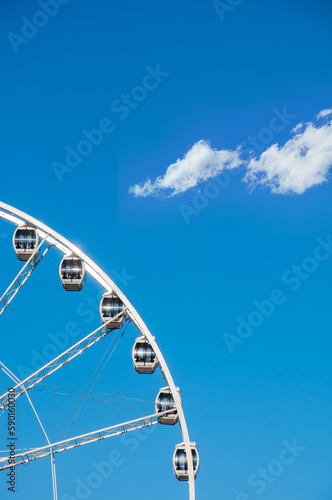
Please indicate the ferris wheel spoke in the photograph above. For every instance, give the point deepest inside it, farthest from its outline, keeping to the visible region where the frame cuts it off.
(16, 379)
(23, 275)
(83, 439)
(64, 358)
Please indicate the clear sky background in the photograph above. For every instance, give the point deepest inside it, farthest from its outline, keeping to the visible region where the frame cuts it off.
(222, 79)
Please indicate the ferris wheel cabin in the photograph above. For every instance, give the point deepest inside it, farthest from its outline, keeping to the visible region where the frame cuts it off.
(110, 307)
(180, 463)
(164, 402)
(72, 273)
(144, 357)
(25, 241)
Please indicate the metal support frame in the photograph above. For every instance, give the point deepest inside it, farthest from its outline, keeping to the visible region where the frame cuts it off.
(18, 217)
(61, 360)
(75, 442)
(53, 469)
(23, 276)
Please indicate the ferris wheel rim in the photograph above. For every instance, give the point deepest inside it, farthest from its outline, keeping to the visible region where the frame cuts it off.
(16, 216)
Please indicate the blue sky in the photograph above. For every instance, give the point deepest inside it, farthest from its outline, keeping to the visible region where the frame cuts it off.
(194, 278)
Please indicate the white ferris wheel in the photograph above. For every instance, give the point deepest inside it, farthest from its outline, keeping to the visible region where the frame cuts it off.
(31, 241)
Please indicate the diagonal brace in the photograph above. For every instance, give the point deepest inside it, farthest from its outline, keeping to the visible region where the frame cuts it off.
(22, 276)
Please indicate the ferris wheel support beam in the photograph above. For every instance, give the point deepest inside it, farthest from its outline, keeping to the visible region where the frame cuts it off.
(53, 469)
(61, 360)
(75, 442)
(16, 216)
(22, 276)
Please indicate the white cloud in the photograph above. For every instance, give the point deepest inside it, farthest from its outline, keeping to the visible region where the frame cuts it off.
(324, 113)
(199, 164)
(303, 162)
(297, 127)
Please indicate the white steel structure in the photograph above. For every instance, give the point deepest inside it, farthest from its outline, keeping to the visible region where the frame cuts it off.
(52, 238)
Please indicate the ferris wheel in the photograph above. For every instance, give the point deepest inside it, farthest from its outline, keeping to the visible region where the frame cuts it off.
(31, 241)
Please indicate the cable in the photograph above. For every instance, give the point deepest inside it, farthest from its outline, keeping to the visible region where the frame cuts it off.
(84, 391)
(91, 399)
(92, 392)
(83, 403)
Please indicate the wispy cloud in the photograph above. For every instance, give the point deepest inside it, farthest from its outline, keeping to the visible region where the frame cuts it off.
(303, 162)
(323, 113)
(199, 164)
